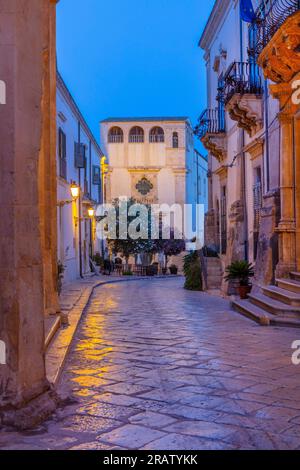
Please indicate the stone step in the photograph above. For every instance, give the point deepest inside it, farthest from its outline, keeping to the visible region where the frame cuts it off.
(289, 285)
(283, 295)
(295, 276)
(274, 306)
(216, 269)
(257, 314)
(252, 311)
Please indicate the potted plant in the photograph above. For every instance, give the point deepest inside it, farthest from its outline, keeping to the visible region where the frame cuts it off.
(173, 269)
(241, 271)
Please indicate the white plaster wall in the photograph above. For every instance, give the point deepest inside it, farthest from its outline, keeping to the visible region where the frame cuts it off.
(68, 230)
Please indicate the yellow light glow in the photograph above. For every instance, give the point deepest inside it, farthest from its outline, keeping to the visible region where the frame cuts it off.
(74, 191)
(91, 212)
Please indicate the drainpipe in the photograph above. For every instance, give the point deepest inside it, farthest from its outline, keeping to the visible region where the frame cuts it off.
(243, 167)
(79, 213)
(267, 145)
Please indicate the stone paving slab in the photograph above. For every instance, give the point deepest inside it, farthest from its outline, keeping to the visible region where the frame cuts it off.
(153, 366)
(73, 301)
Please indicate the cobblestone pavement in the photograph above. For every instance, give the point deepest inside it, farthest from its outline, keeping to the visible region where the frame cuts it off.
(156, 367)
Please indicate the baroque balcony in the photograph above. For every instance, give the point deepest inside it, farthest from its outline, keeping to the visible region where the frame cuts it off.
(243, 96)
(276, 39)
(212, 133)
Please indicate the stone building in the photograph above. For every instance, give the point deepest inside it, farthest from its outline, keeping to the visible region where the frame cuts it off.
(251, 130)
(153, 161)
(78, 162)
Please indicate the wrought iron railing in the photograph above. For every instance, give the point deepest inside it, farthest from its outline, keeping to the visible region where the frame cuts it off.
(270, 16)
(211, 121)
(136, 138)
(242, 78)
(156, 138)
(115, 138)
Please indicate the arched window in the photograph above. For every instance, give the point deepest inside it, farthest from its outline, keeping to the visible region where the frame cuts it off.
(115, 135)
(157, 135)
(136, 135)
(175, 140)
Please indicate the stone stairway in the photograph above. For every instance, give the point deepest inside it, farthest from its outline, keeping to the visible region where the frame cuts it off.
(274, 305)
(214, 273)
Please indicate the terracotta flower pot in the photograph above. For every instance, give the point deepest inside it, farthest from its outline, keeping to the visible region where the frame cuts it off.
(244, 291)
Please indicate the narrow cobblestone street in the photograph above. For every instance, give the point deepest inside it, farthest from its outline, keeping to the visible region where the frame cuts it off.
(156, 367)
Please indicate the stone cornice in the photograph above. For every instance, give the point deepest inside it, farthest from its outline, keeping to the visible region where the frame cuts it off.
(213, 24)
(222, 172)
(144, 169)
(255, 148)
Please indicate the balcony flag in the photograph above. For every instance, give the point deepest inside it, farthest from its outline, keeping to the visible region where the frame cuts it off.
(247, 11)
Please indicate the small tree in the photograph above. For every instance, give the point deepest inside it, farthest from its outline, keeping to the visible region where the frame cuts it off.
(130, 246)
(171, 247)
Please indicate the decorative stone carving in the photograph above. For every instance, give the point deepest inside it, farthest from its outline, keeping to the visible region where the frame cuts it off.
(280, 59)
(144, 188)
(216, 144)
(247, 111)
(267, 250)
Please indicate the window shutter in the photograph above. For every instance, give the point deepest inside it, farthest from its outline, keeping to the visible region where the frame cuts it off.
(80, 160)
(96, 175)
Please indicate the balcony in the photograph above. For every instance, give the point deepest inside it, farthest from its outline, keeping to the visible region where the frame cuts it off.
(212, 133)
(243, 96)
(276, 37)
(136, 139)
(115, 139)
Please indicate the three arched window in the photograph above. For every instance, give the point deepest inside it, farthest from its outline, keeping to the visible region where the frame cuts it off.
(115, 135)
(175, 140)
(157, 135)
(137, 135)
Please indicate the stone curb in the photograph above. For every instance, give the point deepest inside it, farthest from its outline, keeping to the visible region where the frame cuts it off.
(61, 343)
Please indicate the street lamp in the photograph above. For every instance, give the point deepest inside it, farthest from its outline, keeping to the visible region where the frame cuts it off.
(91, 212)
(75, 191)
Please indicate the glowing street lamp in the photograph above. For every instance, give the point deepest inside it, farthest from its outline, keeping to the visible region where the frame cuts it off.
(75, 191)
(91, 212)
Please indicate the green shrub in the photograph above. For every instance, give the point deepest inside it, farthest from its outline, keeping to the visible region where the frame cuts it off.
(193, 272)
(241, 271)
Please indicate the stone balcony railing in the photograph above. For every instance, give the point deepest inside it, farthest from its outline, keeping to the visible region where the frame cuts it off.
(270, 16)
(243, 95)
(275, 37)
(211, 130)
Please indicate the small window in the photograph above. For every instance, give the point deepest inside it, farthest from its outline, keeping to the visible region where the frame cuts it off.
(115, 135)
(157, 135)
(136, 135)
(175, 140)
(62, 153)
(96, 175)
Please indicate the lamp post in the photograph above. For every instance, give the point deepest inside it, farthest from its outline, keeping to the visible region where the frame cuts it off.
(104, 171)
(91, 214)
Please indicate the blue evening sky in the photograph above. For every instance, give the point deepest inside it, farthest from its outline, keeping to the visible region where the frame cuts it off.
(126, 58)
